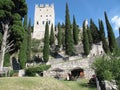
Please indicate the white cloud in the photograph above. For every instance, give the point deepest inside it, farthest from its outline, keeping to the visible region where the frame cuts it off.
(116, 21)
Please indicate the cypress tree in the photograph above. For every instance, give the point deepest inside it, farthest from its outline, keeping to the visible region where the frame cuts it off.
(25, 22)
(75, 31)
(102, 36)
(119, 31)
(52, 37)
(111, 37)
(95, 32)
(85, 40)
(68, 34)
(59, 35)
(90, 38)
(46, 51)
(29, 41)
(22, 52)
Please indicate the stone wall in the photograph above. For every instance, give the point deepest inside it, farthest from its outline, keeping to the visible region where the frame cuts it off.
(67, 66)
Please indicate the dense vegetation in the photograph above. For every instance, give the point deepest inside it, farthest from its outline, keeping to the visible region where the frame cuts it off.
(108, 68)
(31, 71)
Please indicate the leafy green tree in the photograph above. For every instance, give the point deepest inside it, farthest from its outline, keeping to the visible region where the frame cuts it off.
(85, 40)
(68, 34)
(95, 32)
(10, 10)
(102, 36)
(52, 37)
(46, 51)
(59, 35)
(111, 36)
(75, 31)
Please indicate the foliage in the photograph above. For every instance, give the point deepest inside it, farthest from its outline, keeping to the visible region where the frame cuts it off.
(59, 35)
(46, 51)
(28, 52)
(111, 36)
(89, 38)
(35, 46)
(75, 31)
(108, 68)
(86, 45)
(102, 35)
(25, 22)
(52, 37)
(95, 32)
(7, 60)
(10, 11)
(13, 72)
(68, 34)
(31, 71)
(22, 53)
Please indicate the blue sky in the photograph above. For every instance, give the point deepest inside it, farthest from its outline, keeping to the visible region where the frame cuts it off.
(82, 9)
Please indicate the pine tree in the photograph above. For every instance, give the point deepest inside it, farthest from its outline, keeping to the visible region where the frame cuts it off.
(68, 34)
(89, 37)
(102, 36)
(95, 32)
(85, 40)
(46, 44)
(52, 37)
(29, 41)
(11, 11)
(111, 37)
(59, 35)
(75, 31)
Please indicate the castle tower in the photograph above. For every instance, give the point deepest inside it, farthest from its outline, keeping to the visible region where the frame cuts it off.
(43, 14)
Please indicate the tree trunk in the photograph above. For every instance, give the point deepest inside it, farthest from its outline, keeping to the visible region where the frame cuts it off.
(3, 46)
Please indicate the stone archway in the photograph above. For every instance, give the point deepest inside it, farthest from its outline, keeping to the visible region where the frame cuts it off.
(77, 73)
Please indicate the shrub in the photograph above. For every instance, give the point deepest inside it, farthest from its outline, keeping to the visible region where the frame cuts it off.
(31, 71)
(107, 75)
(13, 73)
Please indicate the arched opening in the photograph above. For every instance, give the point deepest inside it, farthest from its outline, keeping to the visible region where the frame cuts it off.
(77, 73)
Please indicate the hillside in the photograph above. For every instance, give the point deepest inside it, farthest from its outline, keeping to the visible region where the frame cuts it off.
(40, 83)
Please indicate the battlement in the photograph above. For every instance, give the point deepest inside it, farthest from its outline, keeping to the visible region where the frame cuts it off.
(44, 5)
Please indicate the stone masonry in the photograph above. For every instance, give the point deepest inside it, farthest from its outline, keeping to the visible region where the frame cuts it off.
(67, 66)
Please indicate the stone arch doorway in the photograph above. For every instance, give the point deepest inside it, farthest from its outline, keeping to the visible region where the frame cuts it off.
(77, 73)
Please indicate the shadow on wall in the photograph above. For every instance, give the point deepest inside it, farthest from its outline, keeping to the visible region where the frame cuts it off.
(15, 64)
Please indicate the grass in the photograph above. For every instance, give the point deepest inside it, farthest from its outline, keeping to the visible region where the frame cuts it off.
(79, 85)
(41, 83)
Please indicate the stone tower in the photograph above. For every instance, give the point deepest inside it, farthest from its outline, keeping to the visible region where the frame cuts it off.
(43, 14)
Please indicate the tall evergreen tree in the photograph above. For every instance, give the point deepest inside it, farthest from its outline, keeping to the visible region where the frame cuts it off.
(46, 44)
(29, 41)
(59, 35)
(68, 34)
(52, 37)
(75, 31)
(89, 37)
(25, 22)
(22, 52)
(102, 36)
(111, 37)
(95, 32)
(85, 40)
(10, 11)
